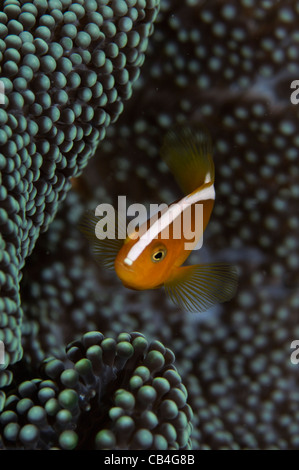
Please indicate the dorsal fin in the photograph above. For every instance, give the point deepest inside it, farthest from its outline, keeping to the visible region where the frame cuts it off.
(187, 151)
(105, 250)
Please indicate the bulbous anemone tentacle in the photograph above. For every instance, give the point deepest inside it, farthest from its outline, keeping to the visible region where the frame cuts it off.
(106, 394)
(66, 68)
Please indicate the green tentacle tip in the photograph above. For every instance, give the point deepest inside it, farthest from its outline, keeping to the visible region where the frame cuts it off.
(68, 440)
(105, 439)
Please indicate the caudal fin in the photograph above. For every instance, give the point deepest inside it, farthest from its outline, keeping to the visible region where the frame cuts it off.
(187, 151)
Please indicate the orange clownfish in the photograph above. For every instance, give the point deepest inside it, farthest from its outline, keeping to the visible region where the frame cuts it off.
(152, 256)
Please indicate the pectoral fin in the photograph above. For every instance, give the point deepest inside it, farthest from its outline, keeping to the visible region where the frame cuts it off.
(105, 250)
(199, 287)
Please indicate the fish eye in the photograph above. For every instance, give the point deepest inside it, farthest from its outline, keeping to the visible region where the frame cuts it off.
(159, 254)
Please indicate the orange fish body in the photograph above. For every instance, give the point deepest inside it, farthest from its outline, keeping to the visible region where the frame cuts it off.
(152, 256)
(146, 272)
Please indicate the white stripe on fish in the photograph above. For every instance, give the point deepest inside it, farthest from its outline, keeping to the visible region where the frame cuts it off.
(166, 219)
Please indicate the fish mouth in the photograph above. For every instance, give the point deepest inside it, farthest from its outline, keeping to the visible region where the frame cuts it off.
(124, 267)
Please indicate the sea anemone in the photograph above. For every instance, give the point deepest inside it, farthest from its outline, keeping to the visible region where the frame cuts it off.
(66, 69)
(105, 394)
(229, 64)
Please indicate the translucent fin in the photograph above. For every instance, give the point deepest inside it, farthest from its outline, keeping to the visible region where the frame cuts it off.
(106, 250)
(199, 287)
(188, 153)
